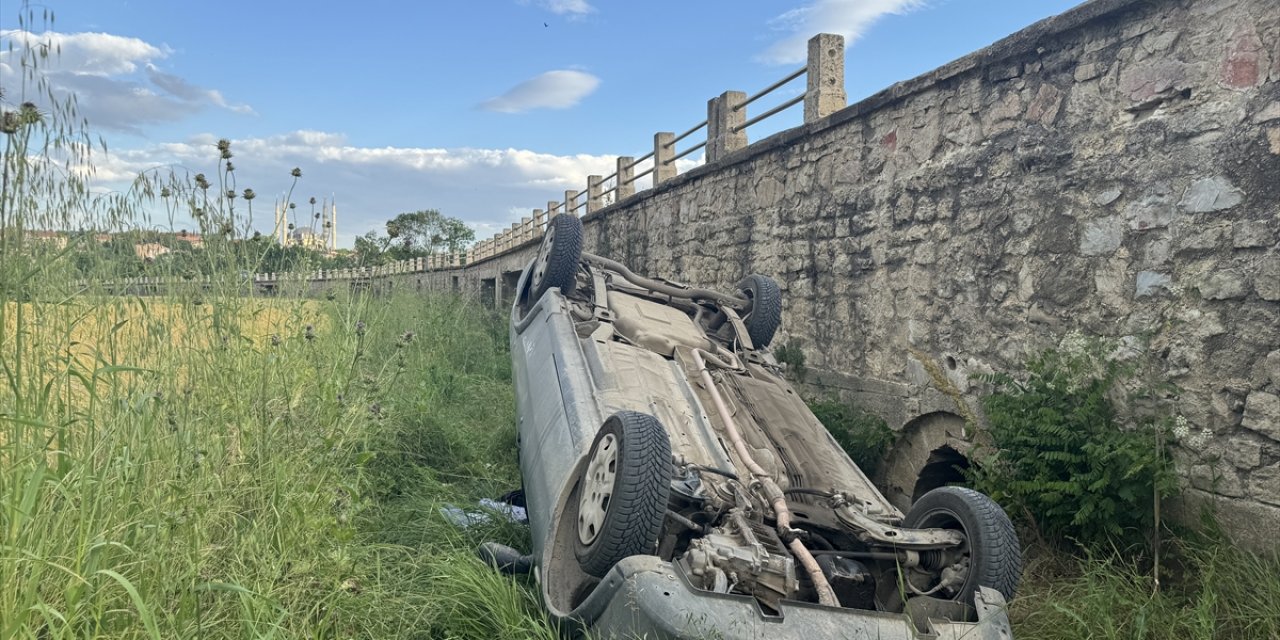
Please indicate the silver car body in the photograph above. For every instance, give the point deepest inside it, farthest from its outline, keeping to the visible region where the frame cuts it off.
(614, 346)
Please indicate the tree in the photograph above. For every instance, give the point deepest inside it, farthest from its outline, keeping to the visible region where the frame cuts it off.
(414, 235)
(429, 231)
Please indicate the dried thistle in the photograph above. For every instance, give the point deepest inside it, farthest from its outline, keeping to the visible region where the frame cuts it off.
(249, 194)
(230, 167)
(9, 123)
(297, 172)
(360, 327)
(313, 199)
(165, 192)
(309, 332)
(275, 340)
(202, 182)
(231, 194)
(30, 114)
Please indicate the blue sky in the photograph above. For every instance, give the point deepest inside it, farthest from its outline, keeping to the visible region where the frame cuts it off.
(482, 109)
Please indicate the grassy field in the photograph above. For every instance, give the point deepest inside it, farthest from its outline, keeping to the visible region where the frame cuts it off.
(241, 468)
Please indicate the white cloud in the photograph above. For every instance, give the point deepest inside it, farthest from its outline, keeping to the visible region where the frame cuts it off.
(849, 18)
(577, 7)
(572, 8)
(559, 89)
(98, 54)
(487, 188)
(114, 78)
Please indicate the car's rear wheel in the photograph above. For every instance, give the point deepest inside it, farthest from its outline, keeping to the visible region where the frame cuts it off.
(766, 308)
(623, 491)
(990, 556)
(558, 256)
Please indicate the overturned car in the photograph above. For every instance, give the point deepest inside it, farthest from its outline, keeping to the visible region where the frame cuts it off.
(677, 486)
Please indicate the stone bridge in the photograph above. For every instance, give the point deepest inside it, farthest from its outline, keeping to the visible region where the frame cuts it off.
(1113, 171)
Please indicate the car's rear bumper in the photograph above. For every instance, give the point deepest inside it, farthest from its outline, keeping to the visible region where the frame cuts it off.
(645, 597)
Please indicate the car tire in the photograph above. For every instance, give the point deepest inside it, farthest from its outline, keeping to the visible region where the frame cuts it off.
(557, 262)
(623, 492)
(766, 308)
(995, 556)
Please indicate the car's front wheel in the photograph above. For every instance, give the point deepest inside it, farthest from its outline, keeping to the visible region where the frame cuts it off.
(990, 555)
(623, 491)
(557, 262)
(766, 308)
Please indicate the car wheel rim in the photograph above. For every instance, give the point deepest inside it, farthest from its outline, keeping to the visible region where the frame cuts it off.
(544, 255)
(598, 489)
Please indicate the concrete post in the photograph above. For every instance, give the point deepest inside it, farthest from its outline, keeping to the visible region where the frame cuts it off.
(552, 206)
(664, 150)
(570, 202)
(526, 227)
(626, 188)
(724, 125)
(825, 92)
(593, 193)
(471, 254)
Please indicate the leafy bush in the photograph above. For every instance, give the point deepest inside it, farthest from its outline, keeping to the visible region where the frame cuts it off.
(863, 435)
(1060, 456)
(792, 355)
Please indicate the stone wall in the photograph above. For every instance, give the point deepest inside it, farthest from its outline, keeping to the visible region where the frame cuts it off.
(1113, 171)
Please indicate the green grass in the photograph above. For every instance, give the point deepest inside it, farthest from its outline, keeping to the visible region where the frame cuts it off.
(1214, 591)
(182, 484)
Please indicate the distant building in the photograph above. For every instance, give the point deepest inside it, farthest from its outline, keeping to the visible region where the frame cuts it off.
(306, 239)
(55, 238)
(194, 239)
(149, 251)
(327, 238)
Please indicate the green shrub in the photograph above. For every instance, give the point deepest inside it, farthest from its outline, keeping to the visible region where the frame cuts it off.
(792, 355)
(1060, 457)
(863, 435)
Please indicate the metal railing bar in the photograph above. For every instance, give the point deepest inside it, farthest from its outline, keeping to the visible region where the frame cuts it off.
(765, 91)
(639, 175)
(684, 135)
(608, 191)
(687, 151)
(786, 105)
(584, 203)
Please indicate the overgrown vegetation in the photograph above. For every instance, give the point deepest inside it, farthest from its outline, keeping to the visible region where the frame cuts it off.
(865, 436)
(1217, 592)
(1061, 459)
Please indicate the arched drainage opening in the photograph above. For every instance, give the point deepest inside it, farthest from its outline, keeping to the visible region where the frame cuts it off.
(945, 466)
